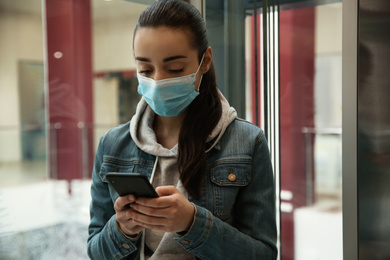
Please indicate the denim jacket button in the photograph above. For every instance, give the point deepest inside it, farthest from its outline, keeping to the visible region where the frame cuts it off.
(125, 245)
(232, 177)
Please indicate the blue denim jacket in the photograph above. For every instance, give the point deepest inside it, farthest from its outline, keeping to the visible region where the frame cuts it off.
(235, 217)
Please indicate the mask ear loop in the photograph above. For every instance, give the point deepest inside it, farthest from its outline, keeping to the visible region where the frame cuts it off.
(201, 76)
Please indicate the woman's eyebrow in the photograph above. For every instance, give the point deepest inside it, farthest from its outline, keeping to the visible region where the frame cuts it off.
(174, 58)
(164, 60)
(142, 59)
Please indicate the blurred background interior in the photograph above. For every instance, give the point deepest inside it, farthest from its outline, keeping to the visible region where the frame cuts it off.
(67, 75)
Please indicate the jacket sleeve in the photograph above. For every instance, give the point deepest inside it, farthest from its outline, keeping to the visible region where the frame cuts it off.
(105, 241)
(253, 233)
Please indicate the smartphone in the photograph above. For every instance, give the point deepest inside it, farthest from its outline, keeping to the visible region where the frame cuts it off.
(136, 184)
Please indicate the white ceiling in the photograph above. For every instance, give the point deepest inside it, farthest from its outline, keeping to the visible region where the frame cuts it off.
(101, 9)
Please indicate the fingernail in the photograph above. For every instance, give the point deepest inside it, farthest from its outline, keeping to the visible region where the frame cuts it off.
(131, 198)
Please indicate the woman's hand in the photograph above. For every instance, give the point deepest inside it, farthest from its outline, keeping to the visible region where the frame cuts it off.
(126, 224)
(171, 212)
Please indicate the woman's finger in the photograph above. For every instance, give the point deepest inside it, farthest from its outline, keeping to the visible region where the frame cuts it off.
(122, 202)
(172, 213)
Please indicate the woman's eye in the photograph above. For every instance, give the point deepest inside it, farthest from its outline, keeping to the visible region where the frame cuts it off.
(177, 71)
(146, 72)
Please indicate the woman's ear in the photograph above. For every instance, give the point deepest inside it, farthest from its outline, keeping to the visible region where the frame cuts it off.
(208, 57)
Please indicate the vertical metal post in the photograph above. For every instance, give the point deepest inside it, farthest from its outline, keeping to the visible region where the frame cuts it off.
(349, 126)
(270, 87)
(256, 79)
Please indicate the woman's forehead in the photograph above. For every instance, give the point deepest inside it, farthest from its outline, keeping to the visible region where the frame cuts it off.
(165, 39)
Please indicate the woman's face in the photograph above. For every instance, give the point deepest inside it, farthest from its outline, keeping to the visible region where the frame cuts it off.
(163, 52)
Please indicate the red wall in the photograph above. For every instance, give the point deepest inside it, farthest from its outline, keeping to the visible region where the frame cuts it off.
(70, 106)
(297, 34)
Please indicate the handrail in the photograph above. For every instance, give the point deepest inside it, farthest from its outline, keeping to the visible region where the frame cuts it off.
(330, 131)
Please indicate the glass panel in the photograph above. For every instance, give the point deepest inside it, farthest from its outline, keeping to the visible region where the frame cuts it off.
(373, 142)
(310, 131)
(67, 75)
(310, 118)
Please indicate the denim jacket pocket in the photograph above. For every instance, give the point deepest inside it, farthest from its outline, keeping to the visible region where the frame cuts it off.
(228, 175)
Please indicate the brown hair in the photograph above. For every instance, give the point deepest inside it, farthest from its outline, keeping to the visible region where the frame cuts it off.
(205, 111)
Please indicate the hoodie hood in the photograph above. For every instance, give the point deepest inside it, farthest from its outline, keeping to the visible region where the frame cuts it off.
(141, 129)
(228, 115)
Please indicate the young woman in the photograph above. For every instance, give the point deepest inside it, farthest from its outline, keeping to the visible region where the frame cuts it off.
(211, 170)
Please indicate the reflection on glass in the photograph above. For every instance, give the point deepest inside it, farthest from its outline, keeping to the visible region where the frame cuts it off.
(40, 215)
(310, 127)
(373, 130)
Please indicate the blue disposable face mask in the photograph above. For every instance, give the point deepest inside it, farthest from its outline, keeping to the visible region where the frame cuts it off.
(169, 97)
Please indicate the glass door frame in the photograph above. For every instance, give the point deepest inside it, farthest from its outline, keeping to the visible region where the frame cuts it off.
(349, 125)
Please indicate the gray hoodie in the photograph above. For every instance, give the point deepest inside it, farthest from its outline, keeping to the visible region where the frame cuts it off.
(165, 171)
